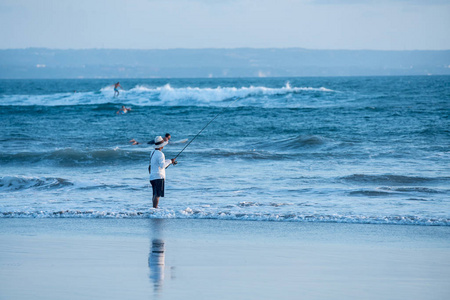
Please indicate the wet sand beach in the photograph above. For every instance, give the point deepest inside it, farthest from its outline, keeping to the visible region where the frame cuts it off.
(215, 259)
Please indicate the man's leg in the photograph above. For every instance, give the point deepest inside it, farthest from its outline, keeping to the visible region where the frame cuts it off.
(155, 201)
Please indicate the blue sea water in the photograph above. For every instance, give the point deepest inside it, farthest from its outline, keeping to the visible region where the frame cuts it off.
(348, 149)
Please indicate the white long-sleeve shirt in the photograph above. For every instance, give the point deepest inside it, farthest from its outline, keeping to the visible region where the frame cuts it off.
(159, 163)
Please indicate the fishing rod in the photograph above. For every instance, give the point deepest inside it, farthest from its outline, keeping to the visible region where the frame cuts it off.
(207, 125)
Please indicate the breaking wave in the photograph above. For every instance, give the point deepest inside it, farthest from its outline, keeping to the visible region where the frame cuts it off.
(164, 95)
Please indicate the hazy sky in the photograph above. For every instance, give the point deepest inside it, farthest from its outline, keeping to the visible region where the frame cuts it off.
(161, 24)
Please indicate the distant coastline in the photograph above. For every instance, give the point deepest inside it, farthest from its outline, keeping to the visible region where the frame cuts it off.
(46, 63)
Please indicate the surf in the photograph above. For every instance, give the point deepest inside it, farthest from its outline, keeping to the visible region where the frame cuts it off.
(165, 95)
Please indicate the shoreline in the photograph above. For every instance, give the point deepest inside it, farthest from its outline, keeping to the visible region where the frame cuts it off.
(121, 258)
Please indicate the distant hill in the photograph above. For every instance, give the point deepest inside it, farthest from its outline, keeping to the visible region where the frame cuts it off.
(240, 62)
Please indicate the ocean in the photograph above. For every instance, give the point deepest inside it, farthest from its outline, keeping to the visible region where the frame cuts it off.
(340, 149)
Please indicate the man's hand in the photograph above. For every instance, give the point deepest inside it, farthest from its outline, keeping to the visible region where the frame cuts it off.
(174, 162)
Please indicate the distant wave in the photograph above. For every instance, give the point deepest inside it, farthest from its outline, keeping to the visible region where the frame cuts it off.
(294, 143)
(164, 95)
(302, 147)
(15, 183)
(71, 157)
(100, 157)
(388, 191)
(20, 183)
(127, 154)
(413, 189)
(392, 179)
(189, 213)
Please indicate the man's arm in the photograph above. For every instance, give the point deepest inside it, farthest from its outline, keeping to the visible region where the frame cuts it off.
(163, 162)
(167, 163)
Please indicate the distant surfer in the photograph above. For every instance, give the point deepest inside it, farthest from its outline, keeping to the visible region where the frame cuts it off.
(123, 110)
(116, 89)
(166, 138)
(157, 169)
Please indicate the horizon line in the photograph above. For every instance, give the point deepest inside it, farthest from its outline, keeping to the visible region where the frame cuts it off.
(217, 48)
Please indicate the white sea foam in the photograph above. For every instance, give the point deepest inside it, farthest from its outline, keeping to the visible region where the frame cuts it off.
(190, 213)
(162, 95)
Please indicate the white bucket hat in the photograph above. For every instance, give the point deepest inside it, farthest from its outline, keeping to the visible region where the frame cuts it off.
(160, 142)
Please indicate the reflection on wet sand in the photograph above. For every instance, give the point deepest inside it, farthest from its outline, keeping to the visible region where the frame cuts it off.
(156, 263)
(156, 257)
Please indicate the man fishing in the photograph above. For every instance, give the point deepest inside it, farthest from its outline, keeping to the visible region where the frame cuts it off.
(159, 163)
(157, 169)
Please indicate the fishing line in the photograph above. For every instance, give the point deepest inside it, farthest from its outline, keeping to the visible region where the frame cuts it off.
(207, 125)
